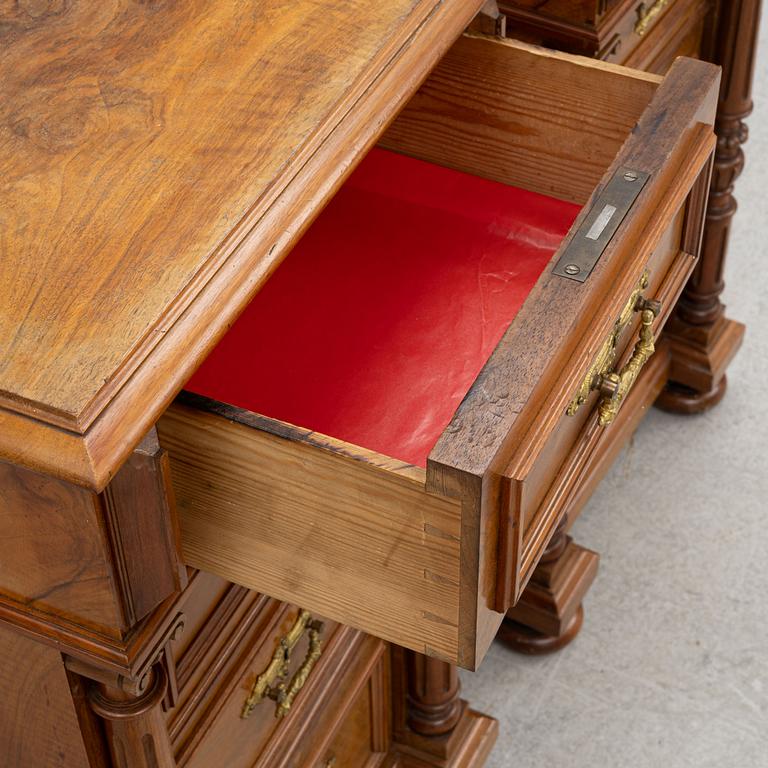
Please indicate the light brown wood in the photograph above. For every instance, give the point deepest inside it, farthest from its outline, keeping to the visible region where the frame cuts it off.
(185, 217)
(338, 529)
(310, 524)
(536, 119)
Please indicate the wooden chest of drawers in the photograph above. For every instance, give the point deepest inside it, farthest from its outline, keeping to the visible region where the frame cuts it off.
(218, 584)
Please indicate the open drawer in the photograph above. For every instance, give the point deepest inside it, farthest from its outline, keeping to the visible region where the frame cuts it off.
(338, 516)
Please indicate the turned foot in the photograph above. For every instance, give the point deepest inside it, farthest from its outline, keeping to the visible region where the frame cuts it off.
(526, 640)
(549, 613)
(677, 398)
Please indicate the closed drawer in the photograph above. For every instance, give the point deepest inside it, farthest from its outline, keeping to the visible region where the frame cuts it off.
(363, 738)
(235, 706)
(427, 541)
(637, 33)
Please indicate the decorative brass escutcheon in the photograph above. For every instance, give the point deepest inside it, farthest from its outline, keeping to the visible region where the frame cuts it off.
(270, 684)
(646, 16)
(613, 386)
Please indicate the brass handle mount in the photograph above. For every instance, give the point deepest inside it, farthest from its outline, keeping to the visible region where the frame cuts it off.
(270, 684)
(614, 386)
(646, 16)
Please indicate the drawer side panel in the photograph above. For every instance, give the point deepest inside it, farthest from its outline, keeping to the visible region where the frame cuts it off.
(336, 535)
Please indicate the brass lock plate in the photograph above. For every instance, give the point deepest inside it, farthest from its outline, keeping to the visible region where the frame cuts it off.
(599, 226)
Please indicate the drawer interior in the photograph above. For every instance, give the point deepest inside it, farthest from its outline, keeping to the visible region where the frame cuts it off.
(377, 324)
(375, 437)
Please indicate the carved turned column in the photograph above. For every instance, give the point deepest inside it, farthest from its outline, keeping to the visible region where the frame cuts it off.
(703, 340)
(431, 726)
(549, 613)
(136, 731)
(434, 707)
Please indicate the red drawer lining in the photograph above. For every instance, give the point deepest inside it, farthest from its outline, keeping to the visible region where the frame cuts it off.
(377, 323)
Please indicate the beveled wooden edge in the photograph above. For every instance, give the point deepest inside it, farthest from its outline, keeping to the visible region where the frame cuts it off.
(558, 498)
(673, 141)
(88, 450)
(517, 399)
(128, 656)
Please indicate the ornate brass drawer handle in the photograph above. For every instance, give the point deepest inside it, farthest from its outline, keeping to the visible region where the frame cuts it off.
(646, 16)
(613, 386)
(270, 684)
(616, 386)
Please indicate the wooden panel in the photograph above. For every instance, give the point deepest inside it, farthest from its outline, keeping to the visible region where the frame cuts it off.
(199, 600)
(141, 520)
(359, 663)
(220, 736)
(313, 525)
(143, 229)
(217, 674)
(352, 747)
(583, 12)
(541, 120)
(55, 551)
(680, 34)
(38, 722)
(673, 142)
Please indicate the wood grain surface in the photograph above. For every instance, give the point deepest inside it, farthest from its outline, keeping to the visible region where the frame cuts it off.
(672, 141)
(318, 527)
(38, 722)
(537, 119)
(156, 162)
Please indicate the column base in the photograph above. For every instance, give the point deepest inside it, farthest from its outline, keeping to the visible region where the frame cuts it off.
(525, 640)
(467, 746)
(549, 613)
(677, 398)
(700, 356)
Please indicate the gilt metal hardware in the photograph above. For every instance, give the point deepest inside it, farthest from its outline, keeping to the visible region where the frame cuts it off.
(270, 684)
(646, 16)
(614, 387)
(598, 227)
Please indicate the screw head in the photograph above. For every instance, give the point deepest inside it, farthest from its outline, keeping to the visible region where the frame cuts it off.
(630, 176)
(571, 269)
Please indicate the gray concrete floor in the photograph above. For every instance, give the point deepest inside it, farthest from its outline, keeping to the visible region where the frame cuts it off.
(671, 667)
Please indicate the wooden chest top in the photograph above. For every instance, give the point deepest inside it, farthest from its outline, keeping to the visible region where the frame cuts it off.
(156, 161)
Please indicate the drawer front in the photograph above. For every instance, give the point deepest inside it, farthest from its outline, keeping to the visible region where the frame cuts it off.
(351, 673)
(679, 33)
(646, 34)
(645, 29)
(430, 559)
(362, 740)
(541, 484)
(226, 723)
